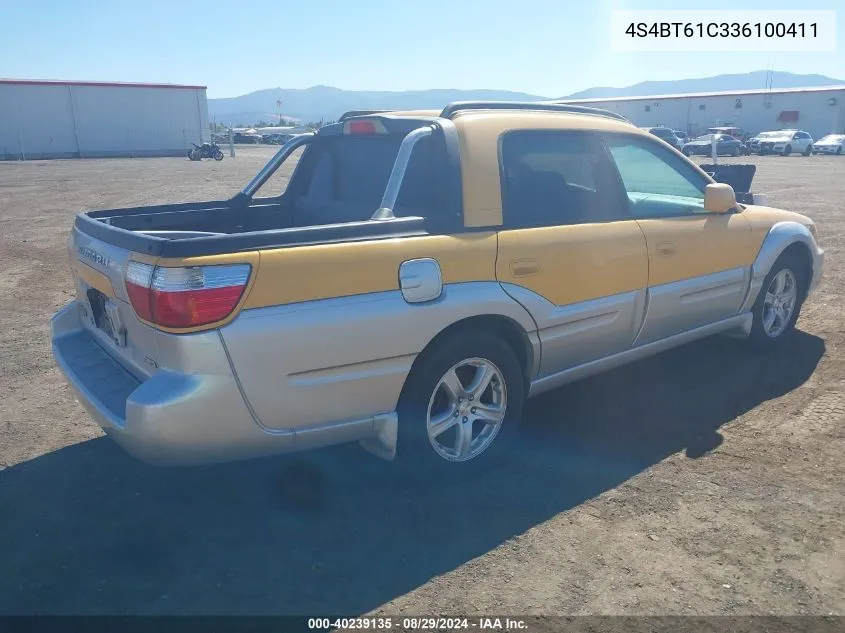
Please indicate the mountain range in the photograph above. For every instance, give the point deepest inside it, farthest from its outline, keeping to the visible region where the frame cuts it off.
(328, 103)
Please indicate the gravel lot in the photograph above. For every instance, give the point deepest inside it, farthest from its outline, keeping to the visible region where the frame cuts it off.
(707, 480)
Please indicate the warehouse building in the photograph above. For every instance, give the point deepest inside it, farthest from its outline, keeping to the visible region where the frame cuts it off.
(88, 119)
(819, 111)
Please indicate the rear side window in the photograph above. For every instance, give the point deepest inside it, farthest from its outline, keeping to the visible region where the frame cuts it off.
(555, 178)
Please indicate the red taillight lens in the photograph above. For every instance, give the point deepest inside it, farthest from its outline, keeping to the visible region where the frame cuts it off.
(185, 297)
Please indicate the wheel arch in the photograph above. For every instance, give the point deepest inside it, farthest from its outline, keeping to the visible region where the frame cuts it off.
(783, 237)
(507, 328)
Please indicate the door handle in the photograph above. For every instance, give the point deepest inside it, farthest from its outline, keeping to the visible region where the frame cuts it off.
(666, 248)
(524, 267)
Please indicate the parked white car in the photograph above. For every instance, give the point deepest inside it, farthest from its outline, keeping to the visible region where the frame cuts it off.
(786, 142)
(830, 144)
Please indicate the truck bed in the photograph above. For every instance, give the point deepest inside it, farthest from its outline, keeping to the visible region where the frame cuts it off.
(214, 227)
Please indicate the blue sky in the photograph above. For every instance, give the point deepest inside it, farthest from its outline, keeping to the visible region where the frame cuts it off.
(546, 47)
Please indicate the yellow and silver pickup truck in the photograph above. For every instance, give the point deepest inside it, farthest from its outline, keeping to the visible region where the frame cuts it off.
(422, 274)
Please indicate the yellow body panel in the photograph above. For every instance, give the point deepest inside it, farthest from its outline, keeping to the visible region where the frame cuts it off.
(691, 246)
(764, 218)
(323, 271)
(94, 278)
(568, 264)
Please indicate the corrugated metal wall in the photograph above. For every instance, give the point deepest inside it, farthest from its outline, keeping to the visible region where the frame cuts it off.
(72, 120)
(757, 112)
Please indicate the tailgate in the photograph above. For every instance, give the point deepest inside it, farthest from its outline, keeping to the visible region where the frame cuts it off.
(98, 272)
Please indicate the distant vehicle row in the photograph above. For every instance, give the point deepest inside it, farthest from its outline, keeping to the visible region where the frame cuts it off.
(729, 142)
(253, 138)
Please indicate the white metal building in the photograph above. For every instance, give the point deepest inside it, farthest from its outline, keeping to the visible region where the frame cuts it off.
(65, 119)
(818, 111)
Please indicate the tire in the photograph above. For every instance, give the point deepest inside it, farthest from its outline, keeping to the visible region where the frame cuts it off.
(809, 150)
(194, 155)
(787, 150)
(687, 152)
(462, 354)
(734, 151)
(218, 155)
(839, 151)
(790, 268)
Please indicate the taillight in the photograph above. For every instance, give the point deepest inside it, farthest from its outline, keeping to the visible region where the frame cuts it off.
(187, 296)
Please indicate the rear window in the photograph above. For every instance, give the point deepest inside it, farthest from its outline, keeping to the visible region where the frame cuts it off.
(355, 169)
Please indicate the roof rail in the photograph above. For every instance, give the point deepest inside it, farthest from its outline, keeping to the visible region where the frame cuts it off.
(542, 106)
(352, 113)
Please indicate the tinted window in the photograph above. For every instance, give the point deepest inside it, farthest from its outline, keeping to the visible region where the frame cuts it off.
(658, 182)
(355, 169)
(553, 178)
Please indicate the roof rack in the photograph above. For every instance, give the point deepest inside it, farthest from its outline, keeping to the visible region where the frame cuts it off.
(352, 113)
(459, 106)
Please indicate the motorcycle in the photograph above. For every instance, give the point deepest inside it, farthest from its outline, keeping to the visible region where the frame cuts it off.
(206, 150)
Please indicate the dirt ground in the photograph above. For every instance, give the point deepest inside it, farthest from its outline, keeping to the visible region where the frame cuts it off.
(706, 480)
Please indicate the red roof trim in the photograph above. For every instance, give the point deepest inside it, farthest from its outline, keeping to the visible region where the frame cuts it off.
(114, 84)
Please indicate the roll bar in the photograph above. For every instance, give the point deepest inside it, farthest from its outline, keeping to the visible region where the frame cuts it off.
(273, 164)
(397, 174)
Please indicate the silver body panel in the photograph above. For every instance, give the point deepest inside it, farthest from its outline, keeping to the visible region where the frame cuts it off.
(315, 362)
(684, 305)
(578, 333)
(140, 352)
(304, 375)
(741, 322)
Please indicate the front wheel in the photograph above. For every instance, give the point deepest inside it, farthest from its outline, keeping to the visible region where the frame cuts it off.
(787, 150)
(779, 304)
(218, 155)
(461, 405)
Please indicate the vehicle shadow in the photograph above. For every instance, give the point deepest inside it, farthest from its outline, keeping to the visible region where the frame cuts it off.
(88, 530)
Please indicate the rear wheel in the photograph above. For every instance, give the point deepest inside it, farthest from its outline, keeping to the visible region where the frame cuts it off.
(461, 405)
(787, 150)
(779, 304)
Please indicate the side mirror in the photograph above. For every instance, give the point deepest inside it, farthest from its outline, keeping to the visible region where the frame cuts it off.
(719, 198)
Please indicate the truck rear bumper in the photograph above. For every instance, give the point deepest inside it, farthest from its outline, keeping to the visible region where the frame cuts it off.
(174, 418)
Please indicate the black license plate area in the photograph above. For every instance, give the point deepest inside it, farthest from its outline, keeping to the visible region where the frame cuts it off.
(98, 301)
